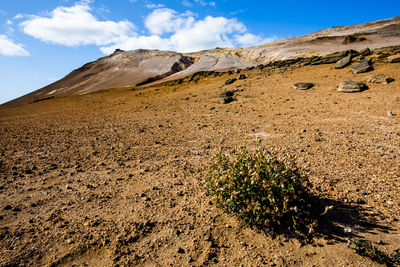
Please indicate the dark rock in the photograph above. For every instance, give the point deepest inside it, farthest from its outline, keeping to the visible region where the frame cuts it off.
(230, 81)
(7, 207)
(303, 86)
(365, 52)
(362, 66)
(351, 87)
(330, 58)
(379, 78)
(16, 209)
(394, 59)
(353, 39)
(226, 97)
(242, 77)
(344, 62)
(180, 250)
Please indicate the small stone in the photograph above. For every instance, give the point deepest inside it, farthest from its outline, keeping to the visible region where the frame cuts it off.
(70, 241)
(68, 187)
(362, 66)
(340, 64)
(226, 97)
(365, 52)
(303, 86)
(242, 77)
(379, 78)
(189, 259)
(389, 113)
(351, 87)
(7, 207)
(16, 209)
(230, 81)
(394, 58)
(181, 250)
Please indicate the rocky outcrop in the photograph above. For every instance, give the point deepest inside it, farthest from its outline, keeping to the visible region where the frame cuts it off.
(362, 66)
(351, 87)
(344, 62)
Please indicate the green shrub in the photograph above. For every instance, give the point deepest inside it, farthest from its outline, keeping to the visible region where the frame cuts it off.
(263, 189)
(366, 249)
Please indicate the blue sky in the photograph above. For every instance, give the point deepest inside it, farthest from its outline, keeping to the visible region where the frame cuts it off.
(42, 41)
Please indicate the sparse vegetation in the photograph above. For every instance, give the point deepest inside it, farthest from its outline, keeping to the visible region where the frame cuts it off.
(264, 188)
(365, 248)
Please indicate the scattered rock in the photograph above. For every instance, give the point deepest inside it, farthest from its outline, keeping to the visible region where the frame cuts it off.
(181, 250)
(242, 77)
(389, 113)
(7, 207)
(379, 78)
(230, 81)
(365, 52)
(16, 209)
(344, 62)
(351, 87)
(303, 86)
(362, 66)
(394, 58)
(226, 97)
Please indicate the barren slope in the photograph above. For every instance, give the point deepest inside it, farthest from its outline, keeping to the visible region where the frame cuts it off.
(140, 67)
(115, 177)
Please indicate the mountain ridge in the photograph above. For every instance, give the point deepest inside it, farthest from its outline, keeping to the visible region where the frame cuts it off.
(141, 67)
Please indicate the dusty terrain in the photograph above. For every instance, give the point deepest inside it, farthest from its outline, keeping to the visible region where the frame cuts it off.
(115, 177)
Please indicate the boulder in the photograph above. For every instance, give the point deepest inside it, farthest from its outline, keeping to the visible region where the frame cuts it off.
(379, 78)
(303, 86)
(344, 62)
(230, 81)
(351, 87)
(365, 52)
(364, 65)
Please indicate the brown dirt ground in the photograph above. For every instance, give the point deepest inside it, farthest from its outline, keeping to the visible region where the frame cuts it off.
(115, 177)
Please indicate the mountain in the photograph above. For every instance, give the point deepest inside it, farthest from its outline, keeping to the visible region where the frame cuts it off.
(140, 67)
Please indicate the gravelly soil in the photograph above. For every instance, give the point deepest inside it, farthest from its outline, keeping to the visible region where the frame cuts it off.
(115, 178)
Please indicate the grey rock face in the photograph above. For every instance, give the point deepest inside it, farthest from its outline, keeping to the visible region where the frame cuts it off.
(362, 66)
(379, 78)
(351, 87)
(343, 62)
(303, 86)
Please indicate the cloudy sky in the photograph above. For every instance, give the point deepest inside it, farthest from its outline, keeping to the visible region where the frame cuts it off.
(42, 41)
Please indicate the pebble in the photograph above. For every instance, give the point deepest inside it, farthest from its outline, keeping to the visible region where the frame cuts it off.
(389, 113)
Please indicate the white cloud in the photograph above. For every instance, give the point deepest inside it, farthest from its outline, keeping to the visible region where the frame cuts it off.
(73, 26)
(9, 48)
(166, 29)
(249, 39)
(18, 16)
(136, 42)
(207, 33)
(182, 32)
(9, 22)
(152, 6)
(166, 20)
(187, 3)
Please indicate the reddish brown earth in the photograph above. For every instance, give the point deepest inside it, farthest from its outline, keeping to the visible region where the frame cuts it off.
(116, 177)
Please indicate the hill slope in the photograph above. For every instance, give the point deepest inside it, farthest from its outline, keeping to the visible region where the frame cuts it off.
(139, 67)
